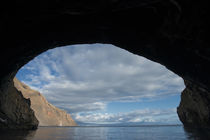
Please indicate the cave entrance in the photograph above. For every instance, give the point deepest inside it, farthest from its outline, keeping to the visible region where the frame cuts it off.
(102, 84)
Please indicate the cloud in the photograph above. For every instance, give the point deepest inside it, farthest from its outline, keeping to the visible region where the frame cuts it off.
(138, 116)
(86, 77)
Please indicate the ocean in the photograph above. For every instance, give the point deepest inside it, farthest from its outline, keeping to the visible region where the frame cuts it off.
(173, 132)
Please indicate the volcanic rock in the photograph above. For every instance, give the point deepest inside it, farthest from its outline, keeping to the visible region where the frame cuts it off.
(194, 108)
(15, 110)
(46, 113)
(174, 33)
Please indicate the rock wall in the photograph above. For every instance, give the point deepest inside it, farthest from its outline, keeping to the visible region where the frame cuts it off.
(15, 111)
(46, 113)
(194, 108)
(174, 33)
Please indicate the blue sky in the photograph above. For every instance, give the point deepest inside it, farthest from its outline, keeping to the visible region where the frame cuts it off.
(101, 83)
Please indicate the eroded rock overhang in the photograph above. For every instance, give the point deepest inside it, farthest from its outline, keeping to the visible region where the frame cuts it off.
(170, 32)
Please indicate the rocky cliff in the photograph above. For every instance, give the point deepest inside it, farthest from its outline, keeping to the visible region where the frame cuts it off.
(46, 113)
(15, 111)
(194, 108)
(173, 33)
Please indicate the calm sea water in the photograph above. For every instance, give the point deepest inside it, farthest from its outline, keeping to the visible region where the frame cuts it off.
(108, 133)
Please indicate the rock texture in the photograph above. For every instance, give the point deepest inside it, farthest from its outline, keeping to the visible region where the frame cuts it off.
(15, 111)
(46, 113)
(173, 33)
(194, 108)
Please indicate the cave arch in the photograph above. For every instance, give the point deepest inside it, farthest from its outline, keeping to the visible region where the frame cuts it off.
(172, 33)
(92, 77)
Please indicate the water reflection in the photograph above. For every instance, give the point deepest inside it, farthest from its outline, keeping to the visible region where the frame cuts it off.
(197, 133)
(17, 134)
(106, 133)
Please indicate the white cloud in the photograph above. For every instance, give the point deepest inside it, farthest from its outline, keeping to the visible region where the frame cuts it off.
(83, 107)
(138, 116)
(87, 77)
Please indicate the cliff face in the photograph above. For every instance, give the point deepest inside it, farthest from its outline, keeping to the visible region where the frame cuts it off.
(46, 113)
(15, 111)
(194, 108)
(173, 33)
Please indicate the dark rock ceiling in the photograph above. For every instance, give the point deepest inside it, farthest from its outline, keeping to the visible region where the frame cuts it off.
(171, 32)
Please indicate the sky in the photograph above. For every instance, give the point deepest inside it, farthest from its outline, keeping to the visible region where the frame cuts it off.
(104, 84)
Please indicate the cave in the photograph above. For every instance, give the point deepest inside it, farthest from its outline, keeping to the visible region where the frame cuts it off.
(170, 32)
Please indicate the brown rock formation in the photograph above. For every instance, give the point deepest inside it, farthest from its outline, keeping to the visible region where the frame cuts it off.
(171, 32)
(15, 111)
(46, 113)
